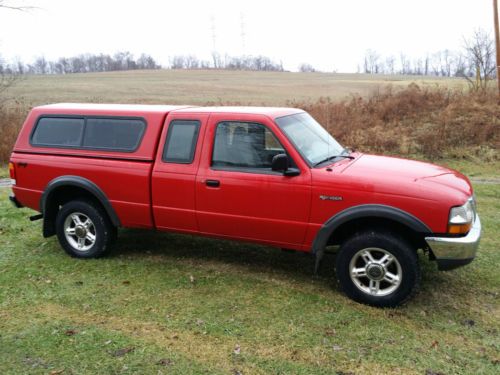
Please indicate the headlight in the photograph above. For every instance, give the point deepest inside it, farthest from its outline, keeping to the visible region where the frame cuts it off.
(462, 218)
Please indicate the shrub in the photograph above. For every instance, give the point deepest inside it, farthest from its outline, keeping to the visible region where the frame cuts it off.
(431, 122)
(419, 122)
(12, 115)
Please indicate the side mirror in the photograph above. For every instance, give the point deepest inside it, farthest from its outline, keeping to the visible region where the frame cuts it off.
(280, 164)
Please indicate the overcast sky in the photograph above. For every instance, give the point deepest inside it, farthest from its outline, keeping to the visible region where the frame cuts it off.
(330, 34)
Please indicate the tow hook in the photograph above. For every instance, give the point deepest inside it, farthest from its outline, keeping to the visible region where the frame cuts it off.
(36, 217)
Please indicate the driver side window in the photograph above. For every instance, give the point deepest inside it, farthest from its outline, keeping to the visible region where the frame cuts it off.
(244, 145)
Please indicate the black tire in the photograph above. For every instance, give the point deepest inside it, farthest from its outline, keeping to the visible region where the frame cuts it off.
(102, 229)
(378, 243)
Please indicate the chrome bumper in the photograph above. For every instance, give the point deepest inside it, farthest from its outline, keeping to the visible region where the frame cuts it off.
(453, 252)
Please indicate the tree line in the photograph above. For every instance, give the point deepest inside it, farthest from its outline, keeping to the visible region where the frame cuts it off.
(475, 62)
(88, 63)
(84, 63)
(244, 62)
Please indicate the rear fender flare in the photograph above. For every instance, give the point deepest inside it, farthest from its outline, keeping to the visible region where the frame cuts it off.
(83, 183)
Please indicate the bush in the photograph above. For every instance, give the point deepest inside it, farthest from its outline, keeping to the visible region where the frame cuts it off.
(432, 123)
(12, 116)
(427, 123)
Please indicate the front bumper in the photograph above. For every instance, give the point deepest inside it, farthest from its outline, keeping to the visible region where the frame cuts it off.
(453, 252)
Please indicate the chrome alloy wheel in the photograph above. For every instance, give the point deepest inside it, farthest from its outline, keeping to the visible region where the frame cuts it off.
(375, 271)
(80, 231)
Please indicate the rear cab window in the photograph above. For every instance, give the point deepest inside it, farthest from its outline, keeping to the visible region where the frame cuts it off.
(180, 144)
(89, 132)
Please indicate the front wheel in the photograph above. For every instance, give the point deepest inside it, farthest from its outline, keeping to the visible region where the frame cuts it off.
(84, 230)
(378, 269)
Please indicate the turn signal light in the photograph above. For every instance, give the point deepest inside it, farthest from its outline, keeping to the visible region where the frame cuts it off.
(12, 171)
(459, 228)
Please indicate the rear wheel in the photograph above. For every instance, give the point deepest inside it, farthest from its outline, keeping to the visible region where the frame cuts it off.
(84, 230)
(378, 269)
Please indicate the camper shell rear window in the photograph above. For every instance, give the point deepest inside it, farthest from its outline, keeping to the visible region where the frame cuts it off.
(120, 134)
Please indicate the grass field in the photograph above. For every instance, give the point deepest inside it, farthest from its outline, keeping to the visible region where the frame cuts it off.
(201, 86)
(171, 304)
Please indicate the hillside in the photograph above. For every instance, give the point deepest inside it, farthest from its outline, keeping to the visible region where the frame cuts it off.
(202, 86)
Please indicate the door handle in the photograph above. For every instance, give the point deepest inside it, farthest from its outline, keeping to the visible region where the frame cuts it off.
(212, 183)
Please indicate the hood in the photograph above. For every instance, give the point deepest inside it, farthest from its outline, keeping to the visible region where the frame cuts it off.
(403, 177)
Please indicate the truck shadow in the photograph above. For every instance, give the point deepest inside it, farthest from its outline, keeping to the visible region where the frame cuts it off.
(162, 247)
(195, 249)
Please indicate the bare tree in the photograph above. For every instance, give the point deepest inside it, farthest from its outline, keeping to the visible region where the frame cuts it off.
(147, 62)
(390, 63)
(418, 67)
(447, 63)
(41, 65)
(480, 55)
(6, 4)
(7, 79)
(372, 63)
(306, 68)
(436, 63)
(216, 60)
(460, 66)
(426, 65)
(405, 64)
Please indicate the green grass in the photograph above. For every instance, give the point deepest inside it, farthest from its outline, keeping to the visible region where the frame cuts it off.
(190, 301)
(475, 170)
(202, 86)
(4, 171)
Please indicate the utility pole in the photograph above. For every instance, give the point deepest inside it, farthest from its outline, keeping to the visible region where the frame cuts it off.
(497, 39)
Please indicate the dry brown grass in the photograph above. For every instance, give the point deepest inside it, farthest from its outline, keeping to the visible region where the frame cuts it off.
(431, 123)
(421, 122)
(12, 115)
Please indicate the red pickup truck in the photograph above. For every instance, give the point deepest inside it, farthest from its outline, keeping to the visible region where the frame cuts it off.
(272, 176)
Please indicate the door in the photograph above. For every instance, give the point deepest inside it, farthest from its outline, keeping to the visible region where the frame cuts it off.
(237, 193)
(174, 173)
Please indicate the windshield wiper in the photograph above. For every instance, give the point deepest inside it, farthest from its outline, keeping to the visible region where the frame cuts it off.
(331, 158)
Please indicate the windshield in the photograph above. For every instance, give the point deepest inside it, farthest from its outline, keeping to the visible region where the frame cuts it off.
(312, 141)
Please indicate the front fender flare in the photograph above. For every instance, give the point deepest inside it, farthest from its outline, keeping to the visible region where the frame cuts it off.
(366, 211)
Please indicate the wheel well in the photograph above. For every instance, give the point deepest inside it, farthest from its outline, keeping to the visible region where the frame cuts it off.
(60, 196)
(347, 229)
